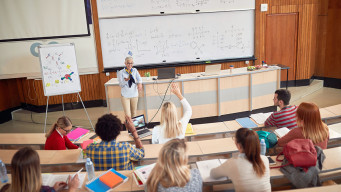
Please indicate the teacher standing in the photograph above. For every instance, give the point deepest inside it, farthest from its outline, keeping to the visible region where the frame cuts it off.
(131, 83)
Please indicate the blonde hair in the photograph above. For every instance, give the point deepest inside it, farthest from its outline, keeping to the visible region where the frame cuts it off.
(313, 128)
(169, 119)
(171, 169)
(25, 171)
(62, 122)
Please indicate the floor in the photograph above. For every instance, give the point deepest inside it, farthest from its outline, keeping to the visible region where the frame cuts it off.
(30, 122)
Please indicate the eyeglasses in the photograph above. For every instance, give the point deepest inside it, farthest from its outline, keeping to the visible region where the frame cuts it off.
(129, 63)
(66, 131)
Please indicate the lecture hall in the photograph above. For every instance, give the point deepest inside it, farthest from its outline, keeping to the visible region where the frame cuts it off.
(170, 95)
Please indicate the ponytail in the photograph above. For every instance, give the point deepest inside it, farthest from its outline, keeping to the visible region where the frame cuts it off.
(48, 134)
(249, 141)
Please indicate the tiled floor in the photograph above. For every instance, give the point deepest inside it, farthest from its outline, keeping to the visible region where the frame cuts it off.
(29, 122)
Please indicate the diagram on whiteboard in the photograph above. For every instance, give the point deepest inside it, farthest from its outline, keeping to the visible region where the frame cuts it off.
(59, 69)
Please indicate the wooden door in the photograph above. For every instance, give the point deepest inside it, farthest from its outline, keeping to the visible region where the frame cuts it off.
(281, 42)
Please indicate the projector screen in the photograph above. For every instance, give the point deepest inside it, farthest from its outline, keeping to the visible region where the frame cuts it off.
(42, 19)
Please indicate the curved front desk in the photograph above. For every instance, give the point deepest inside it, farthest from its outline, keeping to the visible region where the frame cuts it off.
(215, 95)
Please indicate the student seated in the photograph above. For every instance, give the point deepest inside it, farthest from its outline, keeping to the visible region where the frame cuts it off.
(310, 126)
(26, 175)
(286, 116)
(112, 154)
(56, 138)
(249, 171)
(170, 127)
(171, 172)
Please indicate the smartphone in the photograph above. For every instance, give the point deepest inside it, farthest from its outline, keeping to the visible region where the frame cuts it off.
(271, 161)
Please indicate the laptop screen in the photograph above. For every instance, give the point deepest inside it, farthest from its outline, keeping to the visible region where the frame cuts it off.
(139, 122)
(166, 73)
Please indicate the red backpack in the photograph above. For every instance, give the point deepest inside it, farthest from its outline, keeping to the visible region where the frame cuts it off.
(299, 153)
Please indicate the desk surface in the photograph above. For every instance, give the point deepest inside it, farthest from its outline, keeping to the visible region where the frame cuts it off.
(47, 156)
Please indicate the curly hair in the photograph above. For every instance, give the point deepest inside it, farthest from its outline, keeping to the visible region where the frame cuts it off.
(108, 127)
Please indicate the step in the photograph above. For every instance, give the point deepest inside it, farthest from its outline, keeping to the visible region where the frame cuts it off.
(300, 92)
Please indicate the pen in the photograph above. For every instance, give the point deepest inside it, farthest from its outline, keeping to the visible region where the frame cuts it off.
(73, 175)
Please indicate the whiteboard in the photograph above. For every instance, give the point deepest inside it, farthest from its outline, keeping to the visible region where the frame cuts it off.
(178, 38)
(119, 8)
(59, 69)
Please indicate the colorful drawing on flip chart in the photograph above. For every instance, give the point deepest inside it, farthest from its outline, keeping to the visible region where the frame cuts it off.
(59, 69)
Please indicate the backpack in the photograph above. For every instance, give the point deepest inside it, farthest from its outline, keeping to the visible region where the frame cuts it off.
(269, 138)
(299, 153)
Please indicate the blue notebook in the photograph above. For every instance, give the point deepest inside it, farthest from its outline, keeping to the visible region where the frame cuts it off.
(98, 186)
(246, 122)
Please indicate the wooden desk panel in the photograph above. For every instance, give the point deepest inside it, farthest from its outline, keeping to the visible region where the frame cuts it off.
(209, 128)
(152, 150)
(27, 138)
(217, 146)
(335, 109)
(325, 113)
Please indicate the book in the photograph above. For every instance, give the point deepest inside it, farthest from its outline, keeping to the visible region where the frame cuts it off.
(260, 118)
(246, 122)
(143, 172)
(96, 185)
(86, 143)
(137, 180)
(189, 129)
(77, 133)
(111, 179)
(205, 168)
(50, 179)
(281, 131)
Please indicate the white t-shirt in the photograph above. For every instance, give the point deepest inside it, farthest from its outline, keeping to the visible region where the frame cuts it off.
(243, 177)
(159, 131)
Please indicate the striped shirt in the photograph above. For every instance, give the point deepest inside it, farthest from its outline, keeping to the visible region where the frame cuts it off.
(112, 154)
(283, 118)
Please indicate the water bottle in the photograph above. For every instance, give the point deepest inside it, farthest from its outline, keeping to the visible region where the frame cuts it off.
(90, 169)
(3, 173)
(262, 147)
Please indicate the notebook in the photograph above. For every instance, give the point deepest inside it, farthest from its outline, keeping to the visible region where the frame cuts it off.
(140, 125)
(260, 118)
(246, 122)
(281, 131)
(97, 185)
(77, 133)
(205, 168)
(212, 70)
(166, 73)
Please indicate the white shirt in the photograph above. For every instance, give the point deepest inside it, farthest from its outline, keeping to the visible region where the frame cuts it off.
(242, 174)
(158, 136)
(126, 91)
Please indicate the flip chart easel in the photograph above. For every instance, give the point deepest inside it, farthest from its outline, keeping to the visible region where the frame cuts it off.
(60, 73)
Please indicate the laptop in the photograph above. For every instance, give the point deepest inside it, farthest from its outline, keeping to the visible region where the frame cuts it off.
(212, 70)
(140, 125)
(166, 73)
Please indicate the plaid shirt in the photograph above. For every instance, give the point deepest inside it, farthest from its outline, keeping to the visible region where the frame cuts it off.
(112, 154)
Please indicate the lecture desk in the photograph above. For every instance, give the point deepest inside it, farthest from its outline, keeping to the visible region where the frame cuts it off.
(225, 93)
(56, 160)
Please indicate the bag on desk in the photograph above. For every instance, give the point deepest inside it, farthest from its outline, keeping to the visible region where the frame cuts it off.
(299, 153)
(269, 138)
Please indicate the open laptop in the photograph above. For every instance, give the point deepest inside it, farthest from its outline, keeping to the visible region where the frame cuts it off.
(140, 125)
(212, 70)
(166, 73)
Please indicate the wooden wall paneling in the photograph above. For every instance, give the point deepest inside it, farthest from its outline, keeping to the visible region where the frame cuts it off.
(321, 43)
(260, 30)
(306, 41)
(281, 42)
(323, 7)
(333, 49)
(9, 98)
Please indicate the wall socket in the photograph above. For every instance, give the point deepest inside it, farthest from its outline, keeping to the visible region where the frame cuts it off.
(247, 62)
(107, 74)
(263, 7)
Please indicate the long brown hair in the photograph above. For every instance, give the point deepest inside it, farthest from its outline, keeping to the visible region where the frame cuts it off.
(62, 122)
(171, 168)
(309, 118)
(25, 171)
(249, 141)
(169, 119)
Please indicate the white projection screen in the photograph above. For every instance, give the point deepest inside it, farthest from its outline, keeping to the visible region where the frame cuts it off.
(39, 19)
